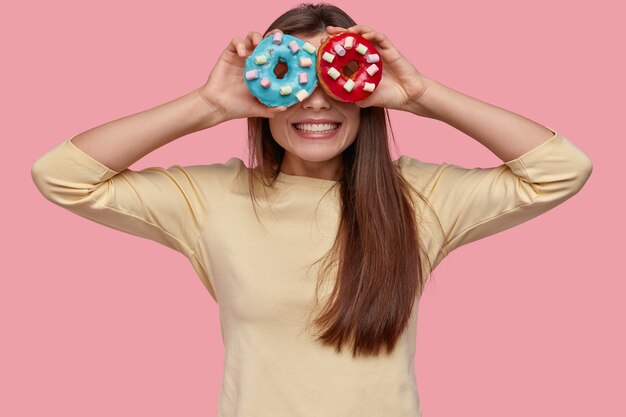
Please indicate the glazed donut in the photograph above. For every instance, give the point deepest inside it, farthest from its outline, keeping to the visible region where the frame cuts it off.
(349, 68)
(296, 84)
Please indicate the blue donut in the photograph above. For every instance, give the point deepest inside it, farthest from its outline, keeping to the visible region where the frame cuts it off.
(299, 81)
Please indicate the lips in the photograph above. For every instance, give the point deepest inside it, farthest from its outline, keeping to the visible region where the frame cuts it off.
(316, 128)
(321, 127)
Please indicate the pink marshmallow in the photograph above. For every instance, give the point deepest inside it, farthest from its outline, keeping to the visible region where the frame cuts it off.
(252, 74)
(371, 58)
(265, 82)
(293, 45)
(278, 38)
(303, 78)
(339, 49)
(372, 69)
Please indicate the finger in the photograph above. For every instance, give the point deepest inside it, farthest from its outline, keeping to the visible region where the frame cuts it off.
(236, 45)
(256, 38)
(360, 29)
(335, 29)
(272, 32)
(371, 35)
(248, 44)
(263, 111)
(365, 102)
(380, 39)
(275, 110)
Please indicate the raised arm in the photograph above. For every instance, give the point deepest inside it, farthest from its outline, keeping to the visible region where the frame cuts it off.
(120, 143)
(541, 168)
(224, 96)
(403, 87)
(88, 173)
(508, 135)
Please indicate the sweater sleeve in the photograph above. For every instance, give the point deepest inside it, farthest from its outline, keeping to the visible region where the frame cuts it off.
(167, 206)
(471, 204)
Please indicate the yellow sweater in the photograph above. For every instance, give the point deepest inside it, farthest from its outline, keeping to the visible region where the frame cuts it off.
(258, 272)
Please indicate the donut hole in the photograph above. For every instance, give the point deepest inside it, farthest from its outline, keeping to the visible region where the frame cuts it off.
(281, 68)
(350, 68)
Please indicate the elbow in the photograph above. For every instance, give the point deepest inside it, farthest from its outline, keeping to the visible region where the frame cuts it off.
(560, 172)
(47, 185)
(576, 168)
(587, 168)
(584, 168)
(69, 178)
(41, 181)
(579, 165)
(57, 187)
(560, 185)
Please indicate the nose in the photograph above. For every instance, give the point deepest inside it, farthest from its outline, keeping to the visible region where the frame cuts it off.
(317, 100)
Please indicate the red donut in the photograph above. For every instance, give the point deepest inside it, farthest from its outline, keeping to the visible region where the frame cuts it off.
(349, 68)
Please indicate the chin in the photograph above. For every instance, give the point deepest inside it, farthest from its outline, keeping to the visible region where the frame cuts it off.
(320, 154)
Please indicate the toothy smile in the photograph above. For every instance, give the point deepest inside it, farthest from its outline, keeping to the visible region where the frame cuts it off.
(317, 127)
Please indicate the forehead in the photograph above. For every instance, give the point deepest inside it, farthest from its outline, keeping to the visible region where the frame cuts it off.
(315, 40)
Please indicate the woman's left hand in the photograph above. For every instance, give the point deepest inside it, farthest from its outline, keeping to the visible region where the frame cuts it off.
(401, 85)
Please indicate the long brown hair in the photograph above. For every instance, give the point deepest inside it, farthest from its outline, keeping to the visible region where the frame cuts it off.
(376, 252)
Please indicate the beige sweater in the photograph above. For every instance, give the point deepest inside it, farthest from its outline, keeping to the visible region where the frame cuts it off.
(259, 275)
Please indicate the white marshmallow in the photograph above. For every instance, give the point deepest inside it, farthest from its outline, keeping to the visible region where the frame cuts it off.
(348, 86)
(348, 42)
(285, 90)
(308, 47)
(306, 62)
(369, 87)
(362, 49)
(334, 74)
(328, 57)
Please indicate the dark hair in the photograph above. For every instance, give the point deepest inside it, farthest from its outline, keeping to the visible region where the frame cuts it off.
(376, 252)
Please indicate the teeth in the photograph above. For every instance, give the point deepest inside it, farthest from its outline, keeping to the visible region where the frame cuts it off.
(325, 127)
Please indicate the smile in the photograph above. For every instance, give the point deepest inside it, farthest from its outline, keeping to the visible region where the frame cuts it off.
(322, 127)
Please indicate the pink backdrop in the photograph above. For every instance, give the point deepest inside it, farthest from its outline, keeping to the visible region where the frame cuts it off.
(99, 323)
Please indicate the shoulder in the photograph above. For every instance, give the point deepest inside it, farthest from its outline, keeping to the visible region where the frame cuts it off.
(419, 173)
(210, 180)
(218, 173)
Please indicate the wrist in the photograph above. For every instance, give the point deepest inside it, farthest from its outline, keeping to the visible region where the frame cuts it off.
(210, 114)
(418, 104)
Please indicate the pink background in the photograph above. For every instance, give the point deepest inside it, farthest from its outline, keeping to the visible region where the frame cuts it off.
(99, 323)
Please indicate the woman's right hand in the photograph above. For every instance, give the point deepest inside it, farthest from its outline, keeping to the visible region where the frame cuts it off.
(226, 90)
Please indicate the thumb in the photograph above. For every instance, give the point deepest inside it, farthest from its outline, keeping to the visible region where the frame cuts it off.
(368, 102)
(272, 111)
(259, 109)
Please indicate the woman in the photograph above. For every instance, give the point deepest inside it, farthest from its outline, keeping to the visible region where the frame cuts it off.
(257, 236)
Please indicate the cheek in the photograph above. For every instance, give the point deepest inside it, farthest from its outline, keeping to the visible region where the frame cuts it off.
(272, 126)
(279, 124)
(355, 123)
(353, 115)
(275, 128)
